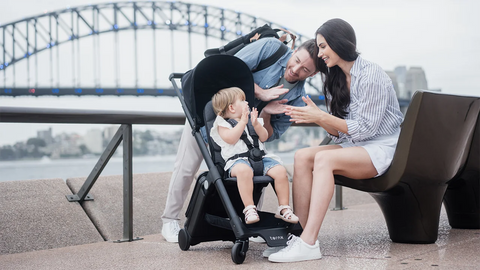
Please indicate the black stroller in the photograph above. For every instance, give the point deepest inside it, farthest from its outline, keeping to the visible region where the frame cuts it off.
(215, 209)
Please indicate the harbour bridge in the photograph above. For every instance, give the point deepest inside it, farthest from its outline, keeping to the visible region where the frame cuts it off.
(122, 48)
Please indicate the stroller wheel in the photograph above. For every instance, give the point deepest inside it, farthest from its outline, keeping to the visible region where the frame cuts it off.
(239, 251)
(183, 239)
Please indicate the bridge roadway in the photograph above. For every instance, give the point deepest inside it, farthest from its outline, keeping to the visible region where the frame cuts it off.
(318, 99)
(40, 229)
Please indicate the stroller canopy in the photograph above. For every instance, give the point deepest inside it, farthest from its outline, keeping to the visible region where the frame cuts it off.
(208, 77)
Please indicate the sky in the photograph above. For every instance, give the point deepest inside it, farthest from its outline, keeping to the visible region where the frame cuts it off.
(440, 36)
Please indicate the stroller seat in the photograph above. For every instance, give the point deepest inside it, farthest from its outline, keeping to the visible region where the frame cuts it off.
(215, 209)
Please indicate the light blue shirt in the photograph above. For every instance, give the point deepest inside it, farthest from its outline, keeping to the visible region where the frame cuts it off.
(268, 77)
(374, 108)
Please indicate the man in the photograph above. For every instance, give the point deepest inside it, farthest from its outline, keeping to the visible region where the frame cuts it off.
(276, 86)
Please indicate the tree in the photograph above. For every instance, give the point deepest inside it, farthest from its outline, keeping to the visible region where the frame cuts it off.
(84, 149)
(7, 153)
(146, 136)
(37, 142)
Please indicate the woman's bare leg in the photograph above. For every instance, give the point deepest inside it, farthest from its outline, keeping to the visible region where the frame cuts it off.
(352, 162)
(303, 178)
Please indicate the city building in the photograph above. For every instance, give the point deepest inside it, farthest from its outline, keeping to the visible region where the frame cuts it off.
(407, 82)
(394, 79)
(45, 135)
(109, 132)
(94, 141)
(415, 79)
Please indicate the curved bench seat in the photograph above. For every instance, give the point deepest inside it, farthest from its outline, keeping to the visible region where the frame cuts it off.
(431, 157)
(462, 198)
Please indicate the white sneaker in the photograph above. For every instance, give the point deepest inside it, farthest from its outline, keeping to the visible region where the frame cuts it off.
(270, 250)
(256, 239)
(297, 250)
(170, 231)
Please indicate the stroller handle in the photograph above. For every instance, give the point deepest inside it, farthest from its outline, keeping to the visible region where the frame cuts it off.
(175, 76)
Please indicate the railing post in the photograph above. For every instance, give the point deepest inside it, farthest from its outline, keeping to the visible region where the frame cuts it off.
(127, 186)
(338, 189)
(338, 198)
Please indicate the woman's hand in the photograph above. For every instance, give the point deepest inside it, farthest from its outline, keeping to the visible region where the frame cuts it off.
(308, 114)
(275, 107)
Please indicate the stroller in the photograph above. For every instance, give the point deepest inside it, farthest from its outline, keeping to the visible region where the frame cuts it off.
(215, 209)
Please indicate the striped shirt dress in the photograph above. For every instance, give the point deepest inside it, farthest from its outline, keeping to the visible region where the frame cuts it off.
(373, 116)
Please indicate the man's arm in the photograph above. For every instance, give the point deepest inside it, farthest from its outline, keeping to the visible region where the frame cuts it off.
(273, 107)
(251, 55)
(257, 125)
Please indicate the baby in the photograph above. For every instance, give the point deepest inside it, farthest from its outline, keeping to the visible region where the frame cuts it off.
(229, 103)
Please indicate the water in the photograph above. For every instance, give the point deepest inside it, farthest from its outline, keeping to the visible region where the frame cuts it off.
(70, 168)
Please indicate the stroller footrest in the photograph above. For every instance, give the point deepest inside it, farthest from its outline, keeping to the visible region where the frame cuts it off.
(256, 179)
(217, 221)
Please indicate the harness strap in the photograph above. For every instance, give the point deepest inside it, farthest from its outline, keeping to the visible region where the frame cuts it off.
(254, 154)
(244, 154)
(244, 136)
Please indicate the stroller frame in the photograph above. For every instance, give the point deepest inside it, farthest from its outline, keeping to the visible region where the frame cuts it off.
(214, 212)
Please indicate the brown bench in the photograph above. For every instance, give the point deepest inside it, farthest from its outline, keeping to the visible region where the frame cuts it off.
(462, 198)
(436, 160)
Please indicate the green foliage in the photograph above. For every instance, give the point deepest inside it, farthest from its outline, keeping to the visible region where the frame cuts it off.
(37, 142)
(7, 153)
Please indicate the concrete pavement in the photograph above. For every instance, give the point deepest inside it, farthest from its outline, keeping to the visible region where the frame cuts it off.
(355, 238)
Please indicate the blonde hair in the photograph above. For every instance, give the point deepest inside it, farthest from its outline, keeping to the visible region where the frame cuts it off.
(223, 98)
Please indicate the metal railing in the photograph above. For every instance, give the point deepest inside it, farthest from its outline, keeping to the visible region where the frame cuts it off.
(124, 132)
(126, 119)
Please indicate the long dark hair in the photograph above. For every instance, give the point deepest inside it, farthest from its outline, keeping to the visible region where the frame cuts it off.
(340, 37)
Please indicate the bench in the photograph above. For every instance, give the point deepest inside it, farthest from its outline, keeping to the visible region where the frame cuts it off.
(462, 198)
(436, 160)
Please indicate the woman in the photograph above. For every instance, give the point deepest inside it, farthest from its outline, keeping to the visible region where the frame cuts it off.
(364, 120)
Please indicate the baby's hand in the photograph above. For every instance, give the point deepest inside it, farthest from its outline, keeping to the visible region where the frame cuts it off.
(254, 116)
(244, 118)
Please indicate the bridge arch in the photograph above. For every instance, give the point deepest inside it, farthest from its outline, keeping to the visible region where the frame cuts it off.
(25, 39)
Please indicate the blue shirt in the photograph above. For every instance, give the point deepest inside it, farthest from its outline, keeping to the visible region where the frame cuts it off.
(374, 108)
(268, 77)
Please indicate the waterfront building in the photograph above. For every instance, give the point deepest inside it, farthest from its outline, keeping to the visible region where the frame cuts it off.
(94, 141)
(415, 79)
(45, 135)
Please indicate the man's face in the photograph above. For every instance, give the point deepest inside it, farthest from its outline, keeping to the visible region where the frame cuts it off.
(299, 67)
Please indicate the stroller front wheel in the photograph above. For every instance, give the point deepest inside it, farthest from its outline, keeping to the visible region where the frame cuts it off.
(183, 239)
(239, 251)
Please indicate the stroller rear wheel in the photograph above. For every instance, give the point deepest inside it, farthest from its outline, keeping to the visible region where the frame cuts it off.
(183, 239)
(239, 251)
